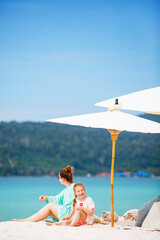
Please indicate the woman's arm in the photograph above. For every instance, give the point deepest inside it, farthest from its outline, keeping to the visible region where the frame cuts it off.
(58, 199)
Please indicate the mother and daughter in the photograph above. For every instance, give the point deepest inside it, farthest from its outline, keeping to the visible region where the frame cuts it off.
(72, 200)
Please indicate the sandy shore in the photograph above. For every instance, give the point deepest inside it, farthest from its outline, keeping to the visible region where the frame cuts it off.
(40, 231)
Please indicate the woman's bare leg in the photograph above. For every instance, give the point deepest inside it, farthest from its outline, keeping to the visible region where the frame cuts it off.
(51, 209)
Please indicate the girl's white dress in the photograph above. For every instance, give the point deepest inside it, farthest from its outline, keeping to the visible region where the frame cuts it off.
(89, 204)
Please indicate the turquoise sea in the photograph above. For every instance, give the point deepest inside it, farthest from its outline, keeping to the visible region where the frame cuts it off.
(19, 195)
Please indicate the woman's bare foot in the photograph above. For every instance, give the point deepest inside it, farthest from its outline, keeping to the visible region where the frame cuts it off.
(62, 223)
(19, 220)
(49, 224)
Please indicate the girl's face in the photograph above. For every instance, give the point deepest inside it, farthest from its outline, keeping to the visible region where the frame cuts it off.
(80, 191)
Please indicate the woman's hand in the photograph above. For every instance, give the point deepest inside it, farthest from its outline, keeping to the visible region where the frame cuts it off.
(42, 198)
(62, 219)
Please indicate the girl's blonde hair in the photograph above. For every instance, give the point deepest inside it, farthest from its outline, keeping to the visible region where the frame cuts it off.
(74, 188)
(67, 173)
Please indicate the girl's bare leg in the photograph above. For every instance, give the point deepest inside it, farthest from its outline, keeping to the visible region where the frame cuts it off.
(51, 209)
(79, 215)
(76, 218)
(99, 220)
(64, 223)
(83, 217)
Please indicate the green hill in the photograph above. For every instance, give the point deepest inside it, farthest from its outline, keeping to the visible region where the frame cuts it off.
(30, 148)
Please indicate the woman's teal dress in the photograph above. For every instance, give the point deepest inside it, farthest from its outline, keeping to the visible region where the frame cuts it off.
(64, 200)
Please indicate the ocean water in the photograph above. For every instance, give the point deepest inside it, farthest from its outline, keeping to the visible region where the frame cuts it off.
(19, 196)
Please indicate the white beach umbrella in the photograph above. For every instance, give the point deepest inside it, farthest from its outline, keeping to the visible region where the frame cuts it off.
(144, 101)
(115, 122)
(111, 120)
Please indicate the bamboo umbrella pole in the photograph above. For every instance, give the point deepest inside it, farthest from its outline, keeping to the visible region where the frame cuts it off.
(114, 136)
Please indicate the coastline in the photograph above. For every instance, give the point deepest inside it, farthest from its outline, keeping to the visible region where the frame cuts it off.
(28, 230)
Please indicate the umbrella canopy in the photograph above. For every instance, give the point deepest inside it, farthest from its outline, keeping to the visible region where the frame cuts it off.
(111, 120)
(144, 101)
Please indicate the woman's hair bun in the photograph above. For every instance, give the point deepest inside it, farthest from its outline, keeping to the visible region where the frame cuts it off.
(69, 169)
(67, 173)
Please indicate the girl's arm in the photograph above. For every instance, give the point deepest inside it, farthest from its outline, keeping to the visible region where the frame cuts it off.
(87, 211)
(69, 215)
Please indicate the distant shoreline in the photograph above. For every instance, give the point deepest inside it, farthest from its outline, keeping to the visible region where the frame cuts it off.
(93, 176)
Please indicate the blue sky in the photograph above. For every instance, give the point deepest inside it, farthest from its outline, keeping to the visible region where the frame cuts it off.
(59, 57)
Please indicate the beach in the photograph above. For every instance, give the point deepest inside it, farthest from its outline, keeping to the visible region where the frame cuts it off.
(39, 231)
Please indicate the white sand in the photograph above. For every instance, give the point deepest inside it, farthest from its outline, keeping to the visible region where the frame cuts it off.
(40, 231)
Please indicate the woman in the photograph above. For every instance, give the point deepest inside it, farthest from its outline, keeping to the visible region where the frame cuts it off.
(58, 206)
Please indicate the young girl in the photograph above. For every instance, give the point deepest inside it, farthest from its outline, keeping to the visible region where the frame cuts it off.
(83, 207)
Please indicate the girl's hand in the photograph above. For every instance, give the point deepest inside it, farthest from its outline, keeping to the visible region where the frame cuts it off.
(42, 198)
(80, 208)
(62, 219)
